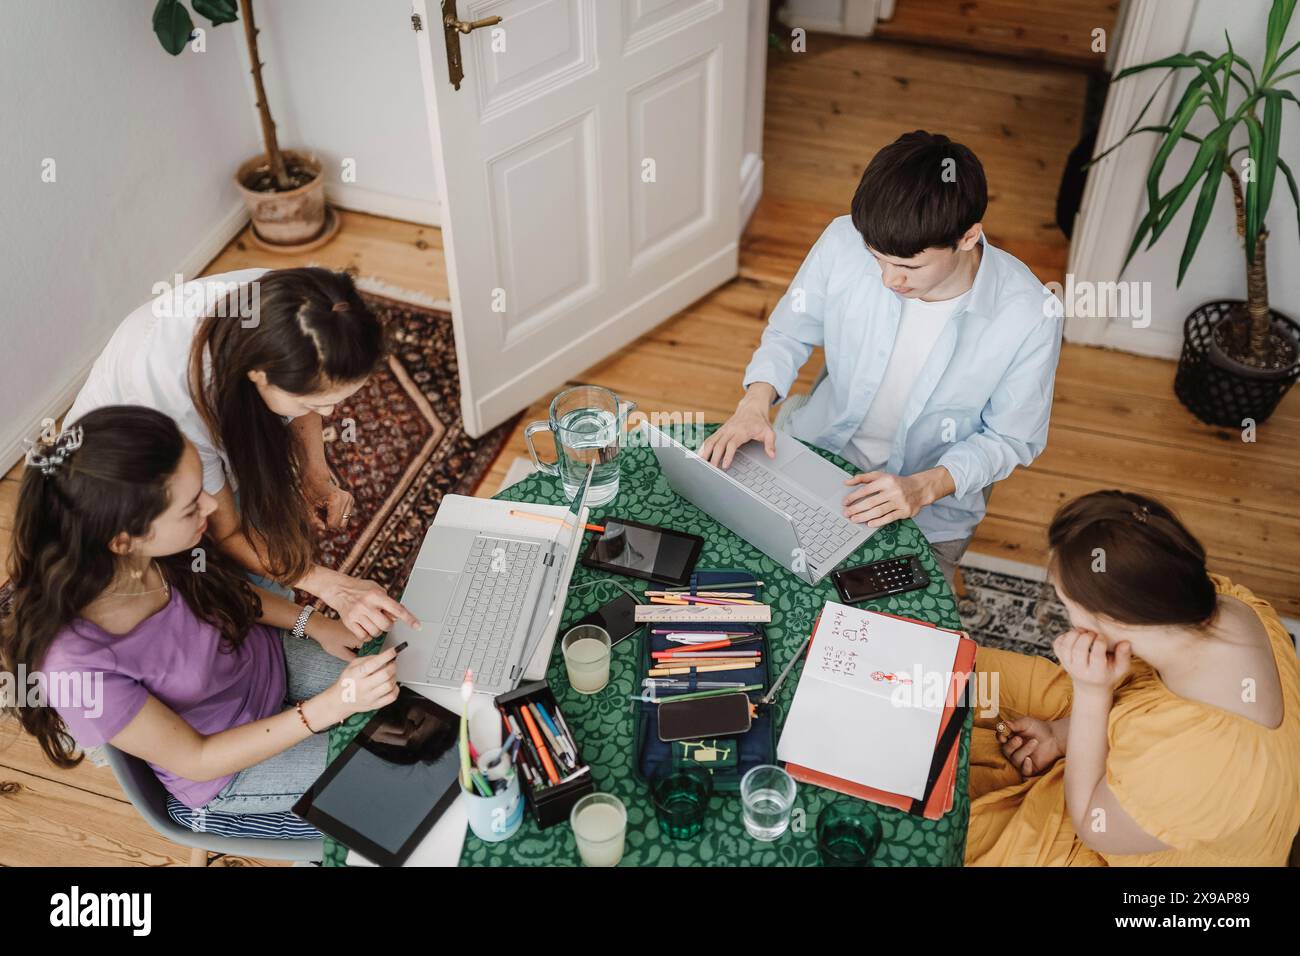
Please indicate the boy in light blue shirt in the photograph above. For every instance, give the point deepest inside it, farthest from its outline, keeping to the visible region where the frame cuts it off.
(941, 350)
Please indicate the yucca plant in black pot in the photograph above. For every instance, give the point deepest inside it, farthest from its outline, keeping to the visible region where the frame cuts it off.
(1238, 358)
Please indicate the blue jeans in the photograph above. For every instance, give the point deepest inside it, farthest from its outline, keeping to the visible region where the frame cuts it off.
(277, 782)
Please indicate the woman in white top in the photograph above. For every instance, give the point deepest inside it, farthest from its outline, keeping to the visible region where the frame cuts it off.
(248, 363)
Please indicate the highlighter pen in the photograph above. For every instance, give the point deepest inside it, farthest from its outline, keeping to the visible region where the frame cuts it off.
(541, 744)
(561, 753)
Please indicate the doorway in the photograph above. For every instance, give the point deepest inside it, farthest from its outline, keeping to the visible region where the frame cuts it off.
(1021, 82)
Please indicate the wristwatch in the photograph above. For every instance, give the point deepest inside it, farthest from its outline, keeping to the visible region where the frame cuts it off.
(300, 628)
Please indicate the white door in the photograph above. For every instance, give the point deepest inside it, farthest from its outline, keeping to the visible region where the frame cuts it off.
(590, 167)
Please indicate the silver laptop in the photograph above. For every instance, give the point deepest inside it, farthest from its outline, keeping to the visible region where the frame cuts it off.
(790, 507)
(485, 601)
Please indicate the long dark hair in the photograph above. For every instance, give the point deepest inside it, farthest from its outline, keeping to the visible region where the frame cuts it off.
(311, 331)
(115, 482)
(1154, 568)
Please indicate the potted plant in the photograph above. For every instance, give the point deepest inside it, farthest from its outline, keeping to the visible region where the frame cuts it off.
(283, 188)
(1239, 358)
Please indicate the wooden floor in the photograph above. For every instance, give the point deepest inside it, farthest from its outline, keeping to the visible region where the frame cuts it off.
(1115, 421)
(1053, 31)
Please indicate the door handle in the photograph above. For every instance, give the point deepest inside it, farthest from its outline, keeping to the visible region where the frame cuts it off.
(452, 28)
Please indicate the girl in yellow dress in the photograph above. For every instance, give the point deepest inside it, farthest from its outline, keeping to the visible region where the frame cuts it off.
(1169, 734)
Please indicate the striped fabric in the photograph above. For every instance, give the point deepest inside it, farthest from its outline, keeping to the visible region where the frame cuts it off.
(266, 826)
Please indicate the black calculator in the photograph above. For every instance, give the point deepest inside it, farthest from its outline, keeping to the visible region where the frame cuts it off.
(880, 579)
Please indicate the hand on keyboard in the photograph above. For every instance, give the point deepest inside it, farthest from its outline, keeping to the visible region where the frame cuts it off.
(881, 498)
(363, 606)
(750, 423)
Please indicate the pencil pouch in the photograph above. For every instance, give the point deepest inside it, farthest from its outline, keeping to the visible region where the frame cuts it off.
(714, 753)
(752, 748)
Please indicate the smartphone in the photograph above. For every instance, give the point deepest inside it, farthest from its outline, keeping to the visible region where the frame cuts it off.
(880, 579)
(618, 618)
(719, 716)
(644, 551)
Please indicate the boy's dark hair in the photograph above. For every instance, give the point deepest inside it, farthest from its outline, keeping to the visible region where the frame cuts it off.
(911, 199)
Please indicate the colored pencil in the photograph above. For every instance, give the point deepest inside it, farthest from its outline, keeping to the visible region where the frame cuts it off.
(553, 520)
(700, 669)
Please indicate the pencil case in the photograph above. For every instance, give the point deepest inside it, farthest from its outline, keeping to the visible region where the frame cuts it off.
(551, 804)
(756, 746)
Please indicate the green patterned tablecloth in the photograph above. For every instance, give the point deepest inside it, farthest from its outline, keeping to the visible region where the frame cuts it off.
(605, 725)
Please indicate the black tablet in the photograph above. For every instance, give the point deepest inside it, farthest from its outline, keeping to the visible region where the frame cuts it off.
(645, 551)
(392, 782)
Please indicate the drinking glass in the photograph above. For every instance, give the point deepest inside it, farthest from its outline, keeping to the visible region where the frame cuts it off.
(586, 656)
(848, 834)
(599, 822)
(682, 801)
(767, 797)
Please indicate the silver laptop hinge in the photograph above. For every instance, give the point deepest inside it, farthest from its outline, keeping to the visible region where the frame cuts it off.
(515, 671)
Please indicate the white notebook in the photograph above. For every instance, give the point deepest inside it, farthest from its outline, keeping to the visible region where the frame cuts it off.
(870, 700)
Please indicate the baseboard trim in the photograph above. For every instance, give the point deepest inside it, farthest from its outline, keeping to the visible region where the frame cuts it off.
(425, 212)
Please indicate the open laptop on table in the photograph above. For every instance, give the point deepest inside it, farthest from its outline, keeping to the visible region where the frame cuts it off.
(488, 599)
(789, 507)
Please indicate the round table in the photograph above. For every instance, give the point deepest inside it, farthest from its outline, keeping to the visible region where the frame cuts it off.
(605, 726)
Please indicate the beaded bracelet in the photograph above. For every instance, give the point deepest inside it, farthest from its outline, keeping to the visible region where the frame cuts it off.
(303, 717)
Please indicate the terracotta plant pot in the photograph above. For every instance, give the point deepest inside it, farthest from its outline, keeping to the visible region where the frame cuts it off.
(285, 218)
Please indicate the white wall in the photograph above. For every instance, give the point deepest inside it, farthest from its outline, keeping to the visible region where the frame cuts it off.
(144, 145)
(343, 78)
(1219, 269)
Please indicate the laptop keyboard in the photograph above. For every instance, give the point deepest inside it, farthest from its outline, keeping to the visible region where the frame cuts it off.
(822, 532)
(480, 624)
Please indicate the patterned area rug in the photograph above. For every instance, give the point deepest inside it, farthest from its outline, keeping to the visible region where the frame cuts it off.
(1010, 612)
(399, 446)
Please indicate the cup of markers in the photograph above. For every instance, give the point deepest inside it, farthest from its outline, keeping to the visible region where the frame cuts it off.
(493, 798)
(495, 804)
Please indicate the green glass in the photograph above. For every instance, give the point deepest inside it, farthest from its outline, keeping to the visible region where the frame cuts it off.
(682, 801)
(848, 834)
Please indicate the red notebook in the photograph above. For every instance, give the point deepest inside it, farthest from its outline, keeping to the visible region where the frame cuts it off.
(941, 796)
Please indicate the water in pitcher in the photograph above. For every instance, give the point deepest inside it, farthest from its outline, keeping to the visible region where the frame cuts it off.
(590, 438)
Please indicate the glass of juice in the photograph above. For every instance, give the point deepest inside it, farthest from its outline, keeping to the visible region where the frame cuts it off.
(599, 822)
(586, 657)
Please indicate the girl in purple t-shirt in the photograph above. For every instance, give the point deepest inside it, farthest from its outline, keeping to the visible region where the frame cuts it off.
(146, 636)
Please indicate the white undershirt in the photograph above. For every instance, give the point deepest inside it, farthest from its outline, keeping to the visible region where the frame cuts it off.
(919, 328)
(147, 362)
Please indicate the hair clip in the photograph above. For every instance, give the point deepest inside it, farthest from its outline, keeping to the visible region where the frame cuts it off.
(68, 441)
(1141, 514)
